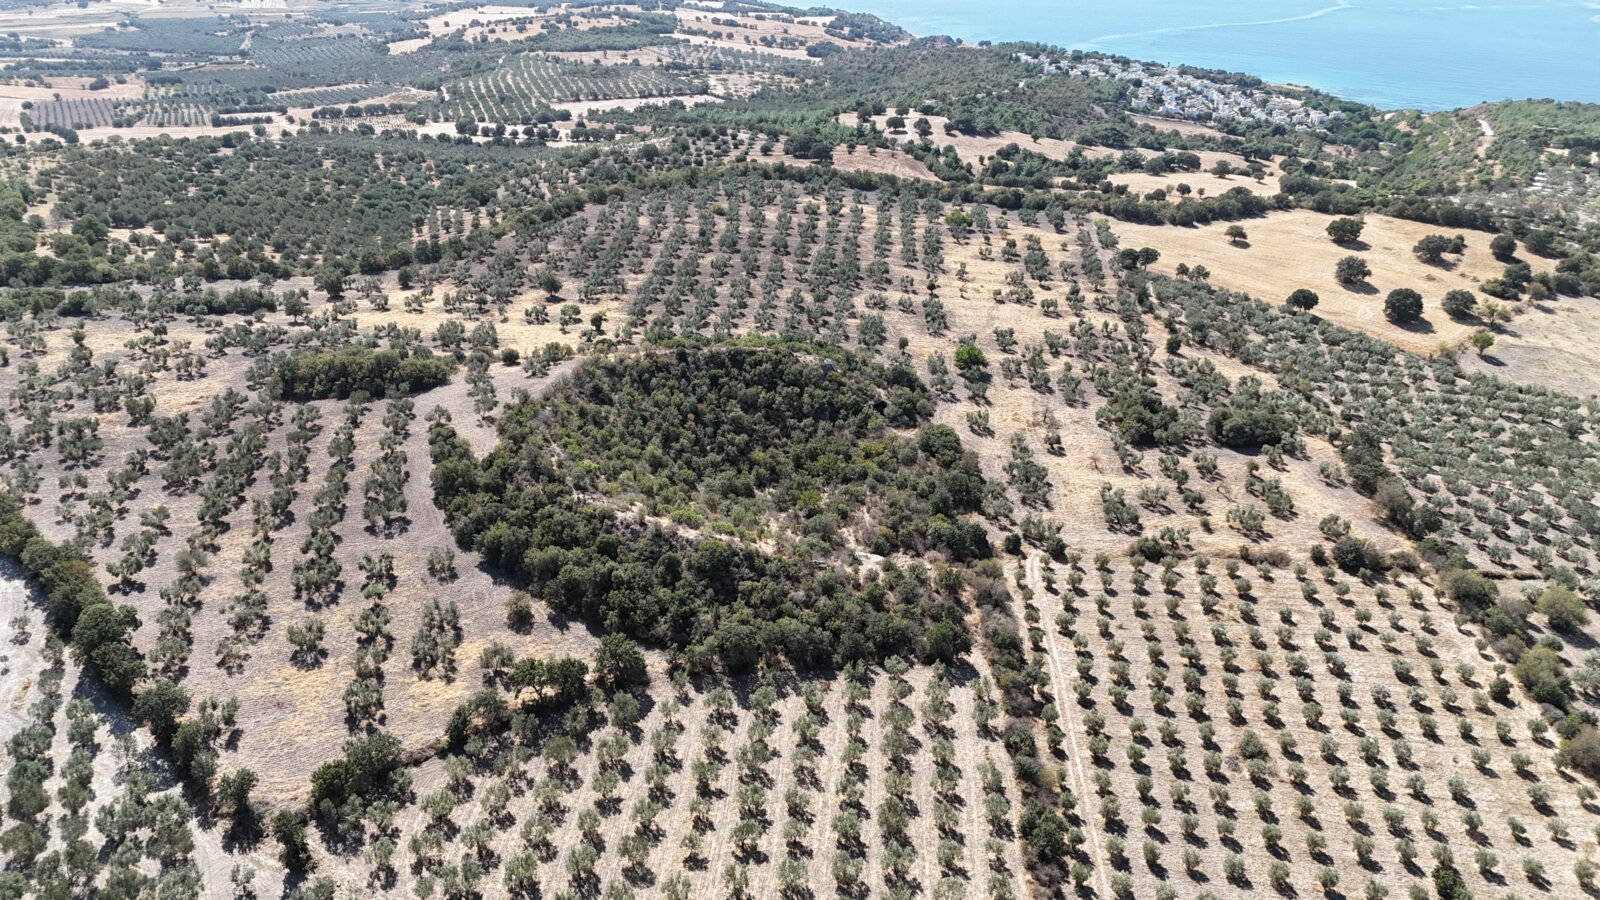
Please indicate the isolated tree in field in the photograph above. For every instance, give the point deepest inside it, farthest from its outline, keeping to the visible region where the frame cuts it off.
(290, 830)
(1543, 673)
(971, 361)
(1504, 247)
(306, 639)
(549, 282)
(1345, 230)
(959, 222)
(1352, 270)
(1236, 235)
(1492, 312)
(1432, 248)
(435, 641)
(1564, 609)
(1403, 306)
(571, 314)
(330, 281)
(1481, 341)
(1459, 304)
(1131, 259)
(1303, 299)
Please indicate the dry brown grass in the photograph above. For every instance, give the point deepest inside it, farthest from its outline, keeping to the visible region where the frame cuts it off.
(1204, 184)
(1291, 250)
(73, 88)
(454, 20)
(1553, 345)
(1181, 126)
(882, 162)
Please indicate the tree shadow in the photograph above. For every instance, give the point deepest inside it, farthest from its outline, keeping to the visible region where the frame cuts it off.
(1418, 325)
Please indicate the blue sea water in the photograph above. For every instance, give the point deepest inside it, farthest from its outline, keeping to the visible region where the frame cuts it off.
(1421, 54)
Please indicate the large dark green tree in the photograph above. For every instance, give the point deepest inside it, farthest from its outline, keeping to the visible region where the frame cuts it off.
(1403, 306)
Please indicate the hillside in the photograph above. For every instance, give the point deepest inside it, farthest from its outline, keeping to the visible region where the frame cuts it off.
(632, 451)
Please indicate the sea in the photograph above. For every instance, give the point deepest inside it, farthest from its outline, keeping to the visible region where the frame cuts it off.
(1394, 54)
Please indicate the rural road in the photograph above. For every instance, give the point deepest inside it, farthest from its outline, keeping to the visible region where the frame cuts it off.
(1059, 685)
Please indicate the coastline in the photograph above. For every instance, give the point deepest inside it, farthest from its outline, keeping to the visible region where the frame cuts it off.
(1408, 54)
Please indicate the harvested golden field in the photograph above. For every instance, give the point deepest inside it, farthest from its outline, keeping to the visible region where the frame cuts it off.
(1286, 251)
(1553, 344)
(883, 162)
(1203, 184)
(70, 88)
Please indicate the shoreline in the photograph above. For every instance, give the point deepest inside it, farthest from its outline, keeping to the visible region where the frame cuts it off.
(1361, 60)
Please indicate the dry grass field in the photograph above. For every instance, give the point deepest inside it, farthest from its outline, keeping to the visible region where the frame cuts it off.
(476, 18)
(1204, 184)
(1554, 344)
(1179, 125)
(1286, 251)
(883, 162)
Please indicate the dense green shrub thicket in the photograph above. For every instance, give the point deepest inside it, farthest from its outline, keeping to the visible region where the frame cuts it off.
(325, 374)
(737, 435)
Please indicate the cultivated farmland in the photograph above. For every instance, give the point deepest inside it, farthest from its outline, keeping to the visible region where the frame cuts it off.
(515, 91)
